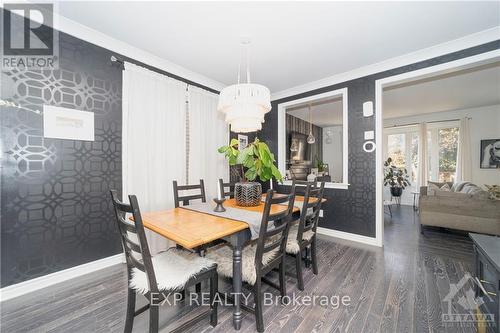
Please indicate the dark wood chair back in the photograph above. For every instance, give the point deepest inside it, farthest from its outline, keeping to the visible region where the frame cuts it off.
(132, 232)
(274, 229)
(301, 185)
(229, 186)
(187, 198)
(313, 197)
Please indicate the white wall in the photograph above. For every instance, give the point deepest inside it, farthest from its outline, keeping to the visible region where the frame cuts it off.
(332, 152)
(485, 124)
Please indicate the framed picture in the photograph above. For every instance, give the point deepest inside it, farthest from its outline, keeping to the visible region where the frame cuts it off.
(490, 154)
(242, 141)
(70, 124)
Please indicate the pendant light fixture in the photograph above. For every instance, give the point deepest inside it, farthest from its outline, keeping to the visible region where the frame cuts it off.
(245, 104)
(310, 138)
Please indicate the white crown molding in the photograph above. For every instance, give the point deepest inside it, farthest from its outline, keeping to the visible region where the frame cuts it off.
(465, 42)
(98, 38)
(349, 236)
(45, 281)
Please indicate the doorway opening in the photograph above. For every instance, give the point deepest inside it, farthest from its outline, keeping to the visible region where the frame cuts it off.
(419, 116)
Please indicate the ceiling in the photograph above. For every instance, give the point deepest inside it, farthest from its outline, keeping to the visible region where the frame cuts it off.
(324, 113)
(293, 43)
(444, 93)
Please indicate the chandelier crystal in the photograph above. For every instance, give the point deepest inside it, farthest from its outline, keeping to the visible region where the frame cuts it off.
(245, 104)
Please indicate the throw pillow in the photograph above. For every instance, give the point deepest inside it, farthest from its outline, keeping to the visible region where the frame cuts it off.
(457, 187)
(432, 188)
(494, 191)
(446, 188)
(471, 189)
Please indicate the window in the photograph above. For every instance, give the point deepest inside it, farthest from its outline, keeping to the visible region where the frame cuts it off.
(402, 148)
(396, 149)
(445, 154)
(442, 140)
(313, 137)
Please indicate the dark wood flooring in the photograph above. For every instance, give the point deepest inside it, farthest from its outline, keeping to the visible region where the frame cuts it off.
(396, 289)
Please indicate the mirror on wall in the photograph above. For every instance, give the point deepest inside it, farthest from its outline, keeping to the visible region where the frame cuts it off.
(314, 138)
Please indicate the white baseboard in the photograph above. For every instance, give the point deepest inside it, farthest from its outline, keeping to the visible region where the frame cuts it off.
(349, 236)
(41, 282)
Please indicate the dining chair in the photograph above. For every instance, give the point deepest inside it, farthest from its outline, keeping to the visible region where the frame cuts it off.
(302, 235)
(156, 277)
(263, 255)
(301, 186)
(223, 186)
(186, 199)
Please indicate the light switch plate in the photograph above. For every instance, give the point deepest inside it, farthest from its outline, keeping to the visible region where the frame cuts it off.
(368, 109)
(369, 135)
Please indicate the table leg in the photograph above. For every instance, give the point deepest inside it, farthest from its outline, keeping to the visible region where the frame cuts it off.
(237, 286)
(237, 241)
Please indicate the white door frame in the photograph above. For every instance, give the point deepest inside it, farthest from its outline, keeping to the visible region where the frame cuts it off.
(400, 78)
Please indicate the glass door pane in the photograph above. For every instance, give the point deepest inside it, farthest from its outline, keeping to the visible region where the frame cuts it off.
(414, 159)
(448, 147)
(396, 149)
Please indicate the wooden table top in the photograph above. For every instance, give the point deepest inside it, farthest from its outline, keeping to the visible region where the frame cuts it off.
(191, 228)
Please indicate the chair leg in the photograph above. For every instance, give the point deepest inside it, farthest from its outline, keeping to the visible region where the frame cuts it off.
(129, 321)
(153, 318)
(306, 261)
(257, 296)
(282, 277)
(214, 289)
(298, 268)
(314, 258)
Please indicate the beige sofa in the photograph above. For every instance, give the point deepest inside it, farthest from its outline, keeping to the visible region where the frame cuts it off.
(463, 208)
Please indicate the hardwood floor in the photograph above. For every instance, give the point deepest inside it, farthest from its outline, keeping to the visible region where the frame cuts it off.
(396, 289)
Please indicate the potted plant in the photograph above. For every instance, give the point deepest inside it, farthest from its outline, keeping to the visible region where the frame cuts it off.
(256, 160)
(396, 178)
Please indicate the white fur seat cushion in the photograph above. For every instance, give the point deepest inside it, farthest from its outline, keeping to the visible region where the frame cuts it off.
(292, 246)
(173, 268)
(223, 256)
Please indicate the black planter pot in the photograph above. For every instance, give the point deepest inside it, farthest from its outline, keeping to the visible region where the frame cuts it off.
(247, 194)
(396, 191)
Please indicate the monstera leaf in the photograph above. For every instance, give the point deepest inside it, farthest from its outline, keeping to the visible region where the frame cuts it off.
(256, 160)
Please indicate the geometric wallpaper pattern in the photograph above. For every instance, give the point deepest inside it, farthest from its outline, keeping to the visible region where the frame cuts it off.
(55, 206)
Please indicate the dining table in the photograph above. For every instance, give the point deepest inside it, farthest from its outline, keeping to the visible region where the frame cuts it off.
(191, 229)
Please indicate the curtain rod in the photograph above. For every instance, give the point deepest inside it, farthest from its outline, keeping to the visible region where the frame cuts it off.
(427, 122)
(115, 59)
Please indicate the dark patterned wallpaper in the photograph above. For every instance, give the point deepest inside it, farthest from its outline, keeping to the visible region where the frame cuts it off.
(353, 210)
(55, 207)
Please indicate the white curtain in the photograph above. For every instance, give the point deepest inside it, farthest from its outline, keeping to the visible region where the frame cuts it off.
(423, 155)
(464, 158)
(207, 132)
(153, 140)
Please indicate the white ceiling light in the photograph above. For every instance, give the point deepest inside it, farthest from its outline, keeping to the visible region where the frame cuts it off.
(245, 104)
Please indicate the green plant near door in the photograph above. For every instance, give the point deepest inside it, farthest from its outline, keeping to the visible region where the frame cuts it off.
(396, 178)
(256, 158)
